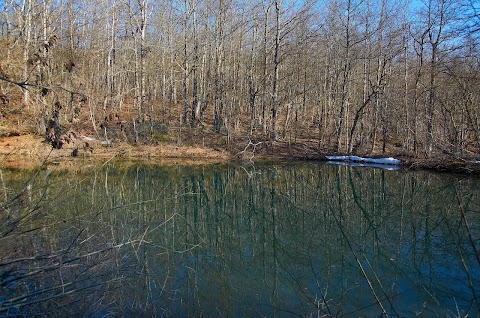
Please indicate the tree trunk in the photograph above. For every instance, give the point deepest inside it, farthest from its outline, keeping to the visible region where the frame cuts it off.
(194, 68)
(345, 81)
(276, 69)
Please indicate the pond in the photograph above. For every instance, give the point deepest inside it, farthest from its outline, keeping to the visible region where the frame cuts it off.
(276, 240)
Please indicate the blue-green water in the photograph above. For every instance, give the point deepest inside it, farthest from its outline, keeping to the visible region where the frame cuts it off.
(279, 240)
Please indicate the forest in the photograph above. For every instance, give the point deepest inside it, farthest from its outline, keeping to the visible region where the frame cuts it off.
(351, 76)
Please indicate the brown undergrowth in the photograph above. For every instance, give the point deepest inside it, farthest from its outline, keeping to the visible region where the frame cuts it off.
(30, 151)
(163, 139)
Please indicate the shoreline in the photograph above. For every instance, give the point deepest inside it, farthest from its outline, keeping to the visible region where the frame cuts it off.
(31, 152)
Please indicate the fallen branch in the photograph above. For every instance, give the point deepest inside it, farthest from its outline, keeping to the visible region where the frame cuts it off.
(254, 148)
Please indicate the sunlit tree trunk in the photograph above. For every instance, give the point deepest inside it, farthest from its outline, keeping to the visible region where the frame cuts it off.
(420, 47)
(112, 51)
(434, 37)
(276, 70)
(252, 86)
(408, 141)
(346, 69)
(43, 77)
(219, 73)
(206, 77)
(195, 101)
(266, 10)
(27, 27)
(143, 52)
(185, 63)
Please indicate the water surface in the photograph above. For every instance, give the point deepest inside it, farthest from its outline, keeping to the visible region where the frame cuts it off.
(283, 240)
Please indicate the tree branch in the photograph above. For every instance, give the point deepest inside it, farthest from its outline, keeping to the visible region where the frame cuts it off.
(25, 85)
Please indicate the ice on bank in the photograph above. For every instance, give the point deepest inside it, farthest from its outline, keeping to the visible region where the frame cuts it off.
(355, 161)
(383, 161)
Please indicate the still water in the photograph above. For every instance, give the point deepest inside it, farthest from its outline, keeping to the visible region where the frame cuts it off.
(278, 240)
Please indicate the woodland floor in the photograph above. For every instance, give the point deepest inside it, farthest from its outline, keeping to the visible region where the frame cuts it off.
(28, 151)
(22, 147)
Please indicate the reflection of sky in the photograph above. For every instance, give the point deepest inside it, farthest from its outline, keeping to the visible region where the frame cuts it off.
(269, 244)
(272, 267)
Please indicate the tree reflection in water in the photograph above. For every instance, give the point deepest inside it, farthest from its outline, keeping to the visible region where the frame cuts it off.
(269, 240)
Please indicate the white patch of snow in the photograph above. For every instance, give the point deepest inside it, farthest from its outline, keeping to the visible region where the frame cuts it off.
(384, 161)
(88, 138)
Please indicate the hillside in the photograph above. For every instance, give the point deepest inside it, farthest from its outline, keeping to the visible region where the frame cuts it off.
(240, 80)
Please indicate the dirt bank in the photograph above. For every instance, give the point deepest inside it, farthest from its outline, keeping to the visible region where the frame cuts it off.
(31, 151)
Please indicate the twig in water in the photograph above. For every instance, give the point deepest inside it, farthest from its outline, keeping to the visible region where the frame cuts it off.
(384, 312)
(381, 286)
(467, 226)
